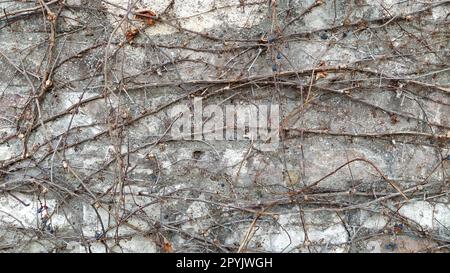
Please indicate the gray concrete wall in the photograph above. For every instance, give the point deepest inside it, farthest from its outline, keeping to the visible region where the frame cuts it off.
(87, 163)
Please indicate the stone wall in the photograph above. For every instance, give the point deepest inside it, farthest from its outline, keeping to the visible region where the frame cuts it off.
(88, 163)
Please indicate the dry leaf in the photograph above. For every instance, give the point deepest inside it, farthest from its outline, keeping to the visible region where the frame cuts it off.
(263, 39)
(394, 119)
(320, 75)
(131, 34)
(146, 15)
(363, 24)
(347, 22)
(167, 246)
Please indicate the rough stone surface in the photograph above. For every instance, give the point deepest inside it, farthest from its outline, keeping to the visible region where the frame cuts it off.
(87, 164)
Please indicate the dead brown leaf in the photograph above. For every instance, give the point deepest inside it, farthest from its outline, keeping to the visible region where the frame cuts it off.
(394, 118)
(320, 75)
(167, 247)
(131, 34)
(147, 16)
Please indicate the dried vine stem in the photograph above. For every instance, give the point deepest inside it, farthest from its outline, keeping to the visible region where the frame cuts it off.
(85, 124)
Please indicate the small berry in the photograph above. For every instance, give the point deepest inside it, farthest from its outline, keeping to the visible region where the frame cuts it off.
(98, 235)
(324, 36)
